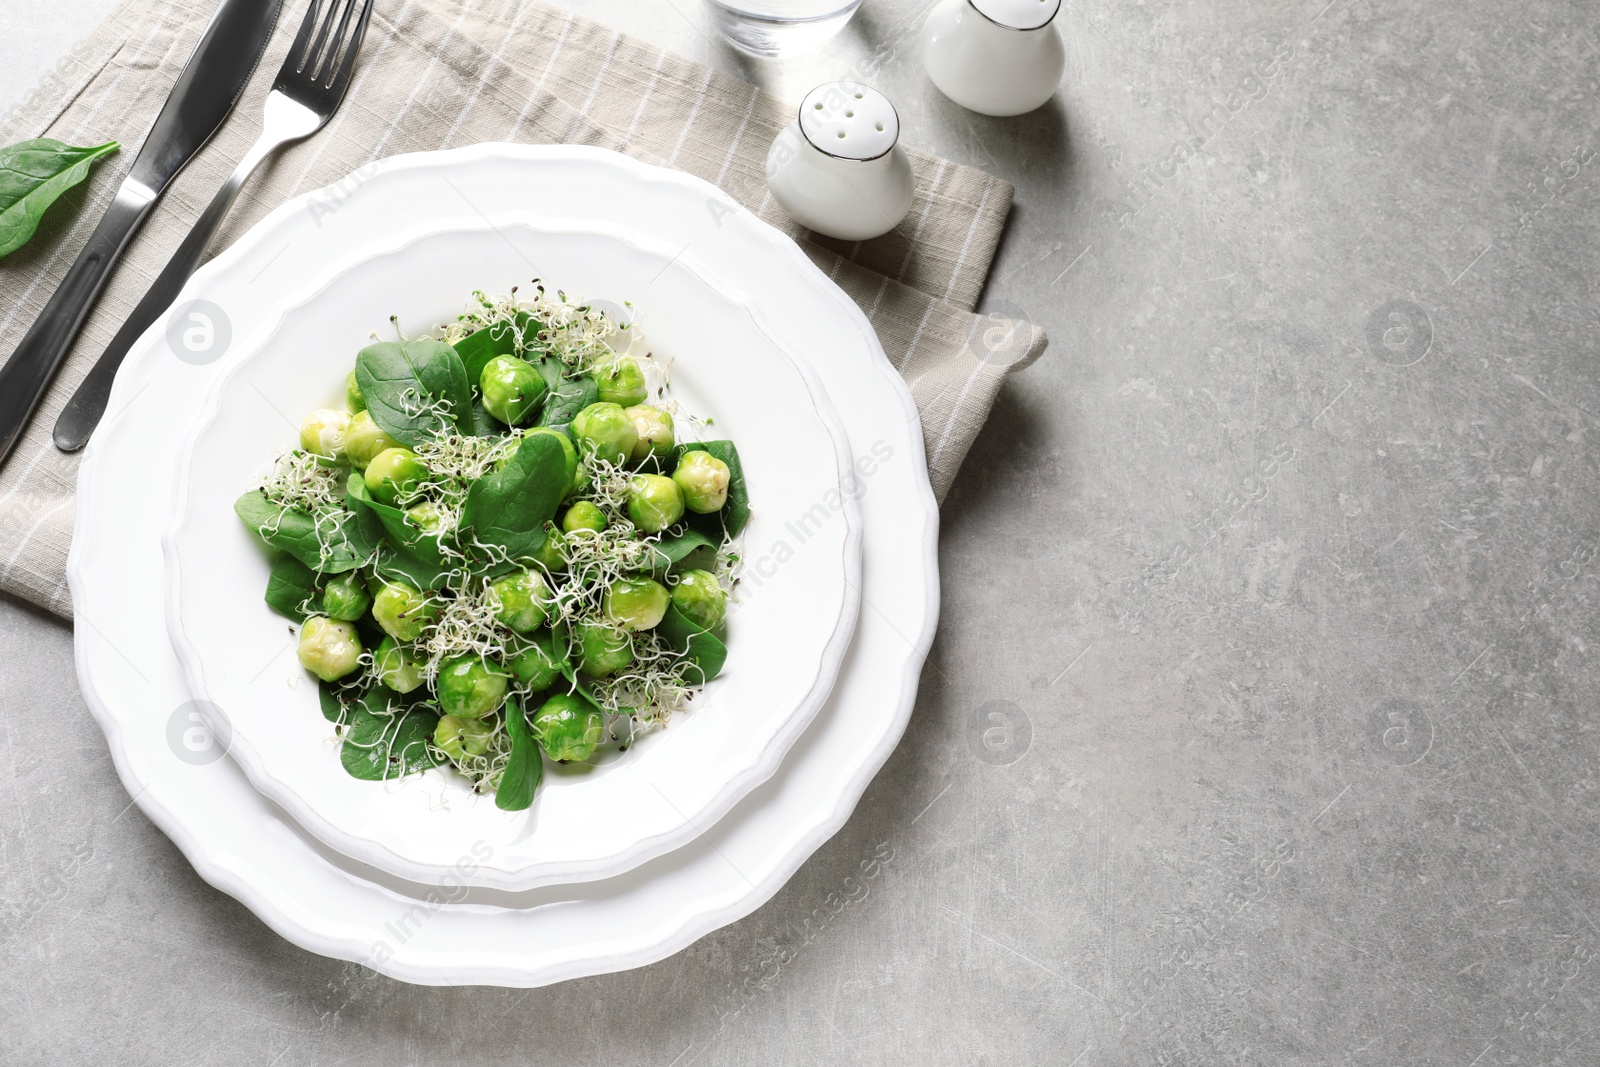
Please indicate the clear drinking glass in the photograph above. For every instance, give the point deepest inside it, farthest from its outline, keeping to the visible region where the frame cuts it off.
(781, 27)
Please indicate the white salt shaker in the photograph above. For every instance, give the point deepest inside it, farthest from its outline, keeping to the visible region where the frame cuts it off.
(839, 168)
(996, 57)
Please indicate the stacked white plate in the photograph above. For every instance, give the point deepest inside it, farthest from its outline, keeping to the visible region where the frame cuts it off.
(789, 628)
(613, 868)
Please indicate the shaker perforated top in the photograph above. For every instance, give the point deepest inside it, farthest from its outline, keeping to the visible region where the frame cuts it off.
(1018, 14)
(849, 120)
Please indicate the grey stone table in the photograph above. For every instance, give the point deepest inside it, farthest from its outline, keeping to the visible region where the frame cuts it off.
(1260, 726)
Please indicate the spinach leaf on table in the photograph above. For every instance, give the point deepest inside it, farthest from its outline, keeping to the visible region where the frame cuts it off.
(736, 511)
(524, 767)
(401, 380)
(33, 174)
(384, 739)
(292, 589)
(509, 507)
(330, 543)
(704, 650)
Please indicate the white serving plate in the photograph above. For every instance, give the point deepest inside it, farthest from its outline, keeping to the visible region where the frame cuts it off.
(787, 635)
(240, 842)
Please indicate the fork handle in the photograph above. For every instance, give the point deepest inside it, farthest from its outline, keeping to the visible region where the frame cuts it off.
(83, 412)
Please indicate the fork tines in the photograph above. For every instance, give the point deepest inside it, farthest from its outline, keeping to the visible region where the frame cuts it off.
(325, 62)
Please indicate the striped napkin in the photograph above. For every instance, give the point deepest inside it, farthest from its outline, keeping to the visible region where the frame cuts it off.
(446, 73)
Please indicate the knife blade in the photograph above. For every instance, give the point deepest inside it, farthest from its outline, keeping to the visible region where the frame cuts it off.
(201, 99)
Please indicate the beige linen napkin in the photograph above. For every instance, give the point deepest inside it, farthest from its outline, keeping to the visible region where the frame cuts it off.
(442, 74)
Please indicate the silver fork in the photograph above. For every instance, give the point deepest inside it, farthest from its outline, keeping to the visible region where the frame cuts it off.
(308, 90)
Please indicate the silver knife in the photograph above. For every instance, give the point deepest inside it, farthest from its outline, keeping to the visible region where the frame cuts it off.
(201, 99)
(309, 88)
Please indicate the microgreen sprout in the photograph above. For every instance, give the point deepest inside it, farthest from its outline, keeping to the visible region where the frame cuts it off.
(579, 335)
(305, 481)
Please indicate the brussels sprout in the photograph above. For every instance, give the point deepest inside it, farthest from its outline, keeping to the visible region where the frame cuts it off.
(622, 383)
(402, 611)
(536, 663)
(704, 481)
(569, 727)
(604, 430)
(460, 738)
(519, 600)
(323, 433)
(393, 473)
(570, 452)
(352, 394)
(396, 667)
(583, 516)
(604, 649)
(637, 603)
(345, 598)
(426, 516)
(552, 555)
(329, 649)
(654, 428)
(512, 389)
(654, 502)
(701, 598)
(365, 439)
(469, 688)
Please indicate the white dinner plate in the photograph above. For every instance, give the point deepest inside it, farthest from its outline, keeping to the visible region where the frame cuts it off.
(786, 634)
(239, 841)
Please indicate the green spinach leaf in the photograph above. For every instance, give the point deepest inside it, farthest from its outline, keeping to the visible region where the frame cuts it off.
(332, 703)
(509, 507)
(292, 589)
(402, 381)
(396, 528)
(481, 423)
(33, 174)
(683, 551)
(330, 543)
(736, 511)
(398, 566)
(567, 396)
(535, 344)
(384, 739)
(524, 767)
(477, 349)
(704, 650)
(577, 683)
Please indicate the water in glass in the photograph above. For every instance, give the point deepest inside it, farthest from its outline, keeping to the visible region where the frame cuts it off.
(781, 27)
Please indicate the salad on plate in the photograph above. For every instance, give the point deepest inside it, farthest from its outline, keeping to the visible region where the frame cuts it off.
(500, 550)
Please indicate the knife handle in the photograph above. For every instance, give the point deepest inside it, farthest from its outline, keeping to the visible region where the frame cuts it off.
(84, 411)
(27, 373)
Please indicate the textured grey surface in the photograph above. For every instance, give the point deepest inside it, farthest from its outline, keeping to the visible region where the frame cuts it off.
(1279, 570)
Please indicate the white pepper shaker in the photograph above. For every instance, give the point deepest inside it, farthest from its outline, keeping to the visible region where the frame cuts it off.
(995, 57)
(839, 168)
